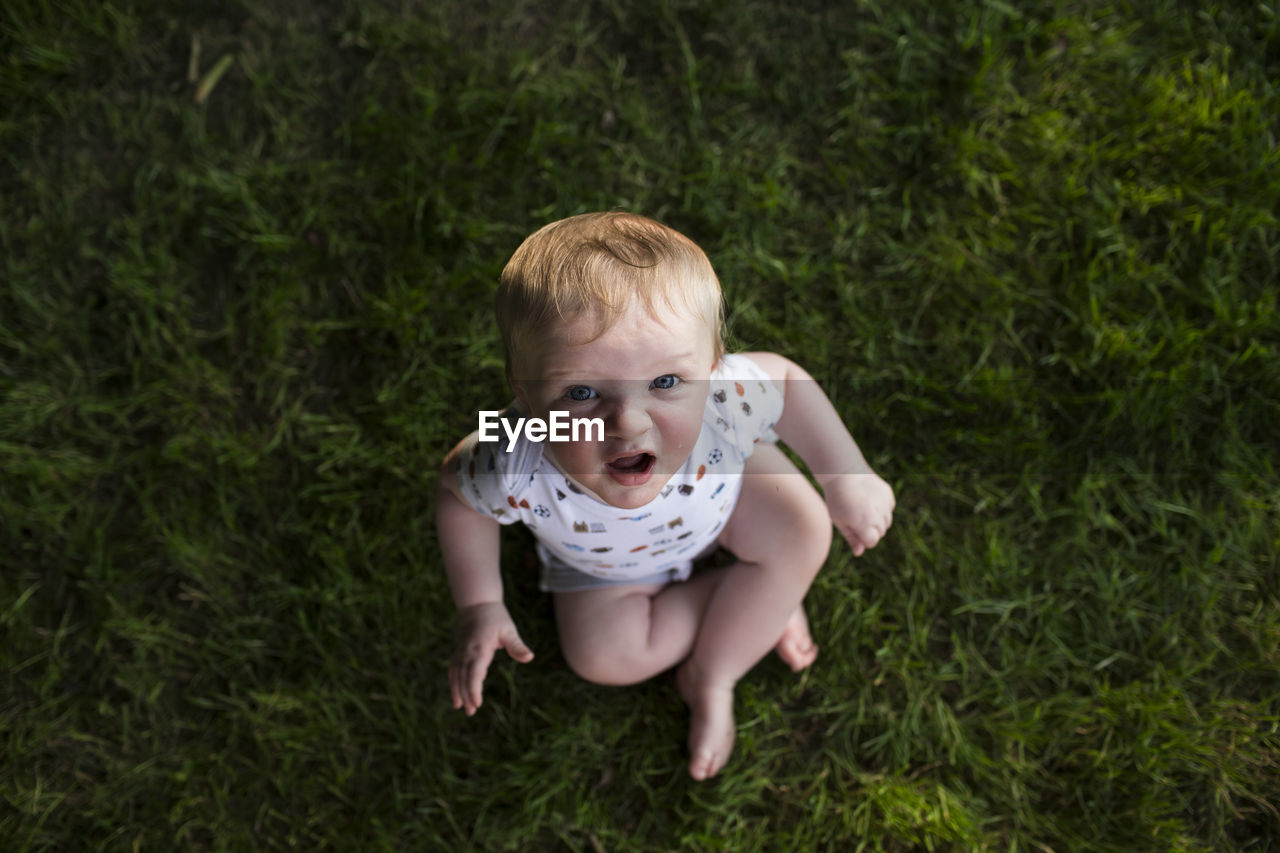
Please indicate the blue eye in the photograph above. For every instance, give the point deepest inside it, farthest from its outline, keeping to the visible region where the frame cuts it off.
(666, 382)
(580, 393)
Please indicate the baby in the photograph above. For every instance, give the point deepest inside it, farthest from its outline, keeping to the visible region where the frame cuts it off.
(615, 320)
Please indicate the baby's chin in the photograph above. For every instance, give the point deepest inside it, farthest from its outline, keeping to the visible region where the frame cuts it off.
(627, 497)
(637, 496)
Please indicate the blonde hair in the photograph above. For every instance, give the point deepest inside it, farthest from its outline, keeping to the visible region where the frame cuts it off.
(602, 264)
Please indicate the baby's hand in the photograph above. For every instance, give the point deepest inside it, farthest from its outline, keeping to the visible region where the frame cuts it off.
(482, 630)
(861, 507)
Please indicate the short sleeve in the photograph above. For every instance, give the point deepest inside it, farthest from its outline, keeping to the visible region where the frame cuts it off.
(747, 400)
(494, 480)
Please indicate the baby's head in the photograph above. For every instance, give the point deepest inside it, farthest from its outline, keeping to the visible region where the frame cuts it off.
(616, 318)
(596, 267)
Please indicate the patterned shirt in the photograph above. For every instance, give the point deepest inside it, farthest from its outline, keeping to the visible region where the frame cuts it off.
(743, 405)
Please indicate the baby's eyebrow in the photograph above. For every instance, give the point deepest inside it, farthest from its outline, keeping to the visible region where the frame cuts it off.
(671, 364)
(557, 377)
(678, 363)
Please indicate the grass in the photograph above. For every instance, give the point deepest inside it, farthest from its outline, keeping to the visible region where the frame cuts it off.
(1031, 250)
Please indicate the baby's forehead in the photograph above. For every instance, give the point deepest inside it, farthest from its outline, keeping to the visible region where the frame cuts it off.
(649, 320)
(624, 350)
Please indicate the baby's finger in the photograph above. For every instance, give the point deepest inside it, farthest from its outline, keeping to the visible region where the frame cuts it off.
(479, 668)
(851, 536)
(869, 536)
(455, 694)
(516, 648)
(457, 681)
(465, 700)
(464, 696)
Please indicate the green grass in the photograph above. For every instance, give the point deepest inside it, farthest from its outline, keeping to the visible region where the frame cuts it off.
(1031, 250)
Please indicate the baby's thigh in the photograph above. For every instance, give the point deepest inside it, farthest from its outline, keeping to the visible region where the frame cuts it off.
(605, 615)
(602, 630)
(780, 517)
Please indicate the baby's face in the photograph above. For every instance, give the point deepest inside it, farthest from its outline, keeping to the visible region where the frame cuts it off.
(646, 378)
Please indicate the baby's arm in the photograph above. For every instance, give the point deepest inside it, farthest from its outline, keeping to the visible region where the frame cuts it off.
(469, 543)
(860, 502)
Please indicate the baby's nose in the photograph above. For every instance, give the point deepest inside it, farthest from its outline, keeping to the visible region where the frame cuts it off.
(627, 420)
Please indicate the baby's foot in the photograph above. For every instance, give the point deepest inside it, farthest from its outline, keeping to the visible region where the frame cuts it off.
(796, 646)
(711, 729)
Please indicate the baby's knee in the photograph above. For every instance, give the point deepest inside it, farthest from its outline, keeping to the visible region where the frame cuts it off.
(603, 635)
(803, 537)
(811, 534)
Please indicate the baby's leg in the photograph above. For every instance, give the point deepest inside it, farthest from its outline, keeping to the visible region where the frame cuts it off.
(628, 634)
(781, 533)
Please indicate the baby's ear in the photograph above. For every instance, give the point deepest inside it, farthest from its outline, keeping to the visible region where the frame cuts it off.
(522, 396)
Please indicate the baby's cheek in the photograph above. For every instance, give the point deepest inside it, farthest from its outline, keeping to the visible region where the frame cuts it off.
(683, 430)
(574, 456)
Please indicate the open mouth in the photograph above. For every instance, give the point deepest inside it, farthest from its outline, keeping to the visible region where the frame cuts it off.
(632, 470)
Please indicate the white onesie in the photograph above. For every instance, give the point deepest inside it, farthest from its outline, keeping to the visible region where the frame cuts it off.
(579, 535)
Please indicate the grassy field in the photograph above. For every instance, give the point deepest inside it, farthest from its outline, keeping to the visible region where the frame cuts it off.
(1030, 249)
